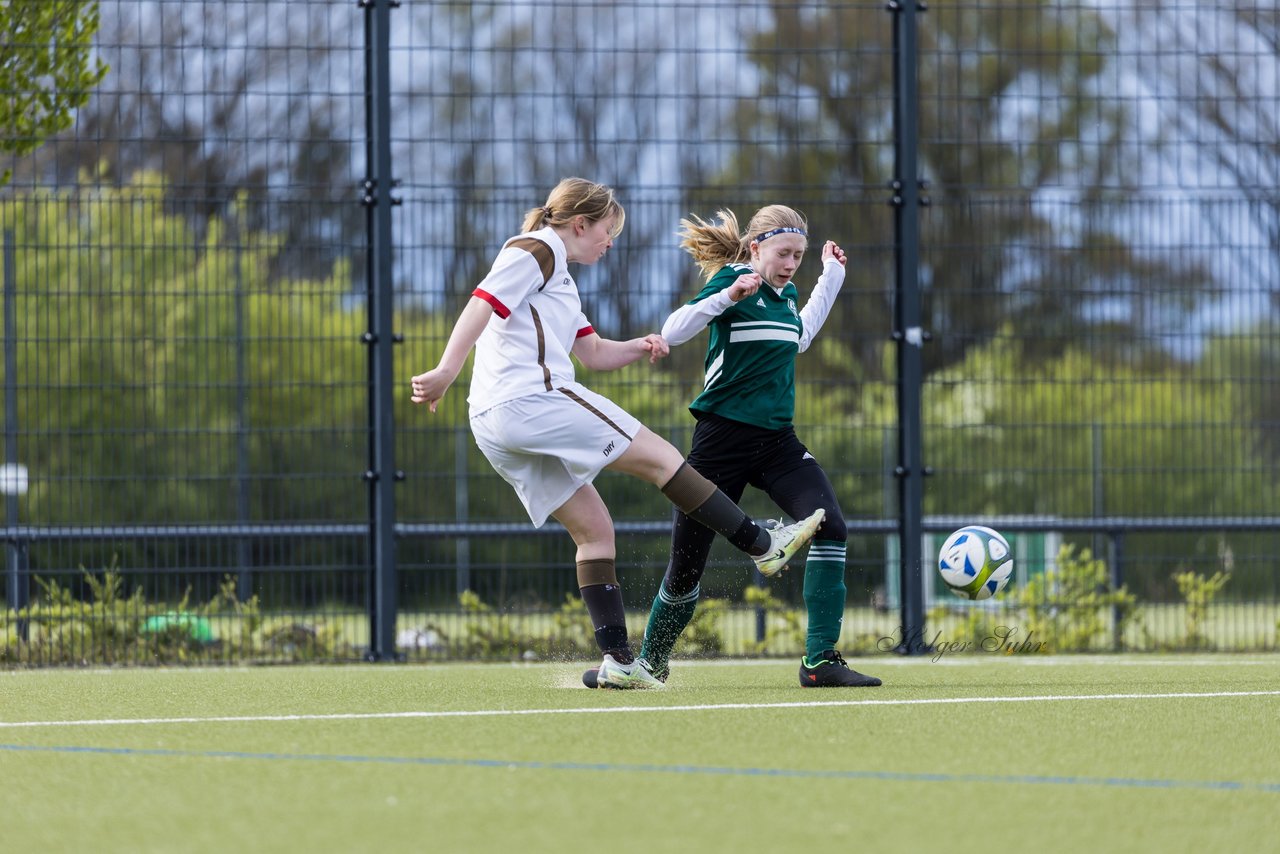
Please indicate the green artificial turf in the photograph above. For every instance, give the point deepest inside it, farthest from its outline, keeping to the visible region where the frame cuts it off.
(979, 753)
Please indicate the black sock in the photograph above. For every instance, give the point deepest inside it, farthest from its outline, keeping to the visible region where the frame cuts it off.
(721, 514)
(700, 500)
(608, 619)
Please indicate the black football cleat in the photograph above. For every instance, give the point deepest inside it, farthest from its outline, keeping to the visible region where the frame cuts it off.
(832, 671)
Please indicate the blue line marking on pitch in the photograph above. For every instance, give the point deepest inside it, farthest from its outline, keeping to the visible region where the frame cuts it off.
(898, 776)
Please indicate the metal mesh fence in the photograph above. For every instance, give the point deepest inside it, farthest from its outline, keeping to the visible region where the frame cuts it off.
(187, 283)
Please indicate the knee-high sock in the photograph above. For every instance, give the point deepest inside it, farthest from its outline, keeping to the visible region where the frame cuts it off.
(824, 595)
(667, 619)
(602, 594)
(704, 502)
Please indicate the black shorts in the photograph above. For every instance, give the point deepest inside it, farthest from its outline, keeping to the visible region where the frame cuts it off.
(733, 456)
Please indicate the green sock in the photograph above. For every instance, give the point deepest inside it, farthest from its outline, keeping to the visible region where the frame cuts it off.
(824, 595)
(667, 619)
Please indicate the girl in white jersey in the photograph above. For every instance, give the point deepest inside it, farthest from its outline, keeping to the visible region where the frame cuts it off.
(744, 433)
(549, 436)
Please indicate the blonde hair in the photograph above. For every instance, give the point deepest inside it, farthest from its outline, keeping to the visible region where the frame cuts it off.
(576, 197)
(713, 245)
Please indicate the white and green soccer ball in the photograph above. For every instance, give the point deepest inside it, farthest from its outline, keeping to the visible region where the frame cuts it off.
(975, 562)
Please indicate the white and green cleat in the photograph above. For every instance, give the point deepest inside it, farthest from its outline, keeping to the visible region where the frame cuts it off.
(611, 674)
(785, 541)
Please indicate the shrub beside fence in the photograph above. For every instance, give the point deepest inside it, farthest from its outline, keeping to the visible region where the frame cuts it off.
(1072, 604)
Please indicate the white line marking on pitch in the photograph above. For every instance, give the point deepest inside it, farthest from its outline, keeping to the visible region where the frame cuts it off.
(970, 660)
(937, 701)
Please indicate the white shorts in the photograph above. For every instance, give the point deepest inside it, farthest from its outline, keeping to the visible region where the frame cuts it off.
(548, 445)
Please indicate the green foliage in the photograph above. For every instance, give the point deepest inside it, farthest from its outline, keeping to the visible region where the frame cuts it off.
(1247, 363)
(976, 627)
(704, 636)
(1082, 435)
(205, 356)
(1005, 436)
(110, 627)
(1038, 446)
(1199, 592)
(103, 630)
(292, 641)
(471, 603)
(493, 636)
(48, 70)
(566, 635)
(195, 345)
(1069, 607)
(784, 632)
(571, 628)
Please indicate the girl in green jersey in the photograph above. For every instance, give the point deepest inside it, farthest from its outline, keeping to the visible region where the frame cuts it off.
(744, 435)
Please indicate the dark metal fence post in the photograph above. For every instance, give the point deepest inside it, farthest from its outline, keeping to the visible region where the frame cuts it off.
(17, 590)
(381, 475)
(244, 551)
(1099, 489)
(461, 505)
(1117, 579)
(907, 329)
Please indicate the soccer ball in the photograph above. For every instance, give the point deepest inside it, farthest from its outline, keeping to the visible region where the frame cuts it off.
(975, 562)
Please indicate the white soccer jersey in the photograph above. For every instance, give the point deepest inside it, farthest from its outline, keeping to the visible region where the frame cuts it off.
(537, 318)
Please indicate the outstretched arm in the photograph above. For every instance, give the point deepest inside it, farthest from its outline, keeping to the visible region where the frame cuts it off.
(603, 354)
(815, 311)
(430, 387)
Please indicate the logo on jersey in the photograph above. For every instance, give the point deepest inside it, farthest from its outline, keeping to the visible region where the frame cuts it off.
(760, 302)
(791, 304)
(609, 449)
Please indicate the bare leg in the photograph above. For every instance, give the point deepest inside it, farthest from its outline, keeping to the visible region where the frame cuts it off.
(650, 458)
(588, 521)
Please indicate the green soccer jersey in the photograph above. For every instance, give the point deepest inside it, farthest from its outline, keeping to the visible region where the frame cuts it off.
(751, 357)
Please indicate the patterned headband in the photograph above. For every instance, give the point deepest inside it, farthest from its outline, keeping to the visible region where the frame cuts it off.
(763, 237)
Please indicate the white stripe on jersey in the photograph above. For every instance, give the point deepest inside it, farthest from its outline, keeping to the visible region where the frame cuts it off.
(785, 333)
(763, 330)
(714, 371)
(753, 324)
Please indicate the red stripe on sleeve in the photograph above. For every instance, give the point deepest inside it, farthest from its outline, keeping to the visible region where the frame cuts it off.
(498, 308)
(586, 330)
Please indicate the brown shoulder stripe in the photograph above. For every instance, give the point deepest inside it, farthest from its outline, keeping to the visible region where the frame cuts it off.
(541, 253)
